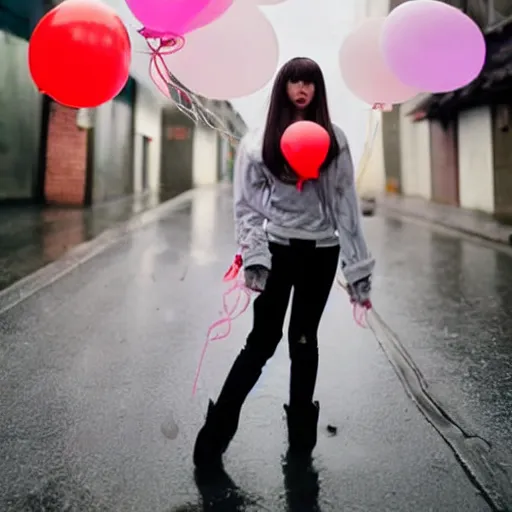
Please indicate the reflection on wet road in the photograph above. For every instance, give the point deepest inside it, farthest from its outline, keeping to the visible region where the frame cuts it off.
(94, 367)
(31, 236)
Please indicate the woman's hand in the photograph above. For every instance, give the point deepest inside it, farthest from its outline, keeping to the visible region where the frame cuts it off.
(256, 277)
(359, 292)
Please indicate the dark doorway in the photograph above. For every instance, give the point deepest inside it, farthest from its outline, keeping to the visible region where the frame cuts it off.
(444, 162)
(391, 143)
(502, 159)
(176, 153)
(146, 141)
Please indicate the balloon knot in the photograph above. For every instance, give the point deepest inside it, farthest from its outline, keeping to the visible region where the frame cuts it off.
(168, 42)
(383, 107)
(171, 42)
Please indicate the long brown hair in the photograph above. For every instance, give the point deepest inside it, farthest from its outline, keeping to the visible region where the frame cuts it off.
(281, 112)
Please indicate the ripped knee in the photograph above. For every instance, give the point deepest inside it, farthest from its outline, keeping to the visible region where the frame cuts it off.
(303, 345)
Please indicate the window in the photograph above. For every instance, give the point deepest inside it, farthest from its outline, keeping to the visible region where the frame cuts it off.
(178, 133)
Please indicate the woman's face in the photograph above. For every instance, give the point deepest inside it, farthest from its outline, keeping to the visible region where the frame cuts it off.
(300, 93)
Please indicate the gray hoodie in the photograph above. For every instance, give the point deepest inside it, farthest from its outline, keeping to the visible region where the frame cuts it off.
(327, 210)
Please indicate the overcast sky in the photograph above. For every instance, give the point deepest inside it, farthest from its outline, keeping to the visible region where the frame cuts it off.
(316, 29)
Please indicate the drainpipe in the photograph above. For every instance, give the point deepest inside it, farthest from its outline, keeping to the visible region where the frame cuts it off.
(491, 13)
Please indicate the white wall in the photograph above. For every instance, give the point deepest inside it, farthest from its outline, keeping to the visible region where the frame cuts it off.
(224, 149)
(415, 153)
(376, 7)
(360, 11)
(148, 122)
(476, 173)
(204, 170)
(371, 175)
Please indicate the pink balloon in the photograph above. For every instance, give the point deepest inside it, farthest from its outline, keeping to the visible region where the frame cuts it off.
(433, 46)
(210, 13)
(168, 16)
(364, 69)
(234, 56)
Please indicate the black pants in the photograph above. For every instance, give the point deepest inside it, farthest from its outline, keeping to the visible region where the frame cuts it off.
(310, 272)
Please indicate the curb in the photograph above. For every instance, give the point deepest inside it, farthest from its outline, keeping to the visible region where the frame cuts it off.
(501, 239)
(47, 275)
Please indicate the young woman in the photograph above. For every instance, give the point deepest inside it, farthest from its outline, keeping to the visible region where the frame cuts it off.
(290, 239)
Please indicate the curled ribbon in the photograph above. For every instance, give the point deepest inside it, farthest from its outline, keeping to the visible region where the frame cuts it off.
(230, 312)
(185, 100)
(359, 311)
(167, 44)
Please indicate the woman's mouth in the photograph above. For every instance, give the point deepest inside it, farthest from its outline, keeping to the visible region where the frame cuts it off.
(300, 101)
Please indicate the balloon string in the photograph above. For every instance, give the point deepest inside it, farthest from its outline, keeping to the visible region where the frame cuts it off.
(201, 112)
(230, 313)
(167, 45)
(368, 151)
(359, 311)
(187, 102)
(240, 306)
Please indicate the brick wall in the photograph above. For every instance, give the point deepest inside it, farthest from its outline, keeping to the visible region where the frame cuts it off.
(66, 158)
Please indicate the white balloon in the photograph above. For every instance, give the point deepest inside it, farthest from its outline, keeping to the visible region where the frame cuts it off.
(234, 56)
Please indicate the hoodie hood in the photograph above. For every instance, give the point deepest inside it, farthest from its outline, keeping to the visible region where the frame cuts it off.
(252, 143)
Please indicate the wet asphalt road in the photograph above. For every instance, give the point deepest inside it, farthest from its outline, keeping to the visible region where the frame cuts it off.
(34, 236)
(96, 369)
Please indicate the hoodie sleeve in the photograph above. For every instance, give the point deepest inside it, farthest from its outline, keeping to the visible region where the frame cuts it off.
(357, 262)
(250, 193)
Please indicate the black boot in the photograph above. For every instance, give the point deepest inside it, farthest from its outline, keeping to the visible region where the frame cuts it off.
(302, 427)
(215, 435)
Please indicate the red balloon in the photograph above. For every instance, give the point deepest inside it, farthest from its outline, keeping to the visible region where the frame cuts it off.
(305, 146)
(80, 54)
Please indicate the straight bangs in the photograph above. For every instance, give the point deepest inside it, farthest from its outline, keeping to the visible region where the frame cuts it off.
(303, 70)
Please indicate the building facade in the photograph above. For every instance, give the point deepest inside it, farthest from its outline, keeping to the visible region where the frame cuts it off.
(21, 137)
(455, 148)
(138, 143)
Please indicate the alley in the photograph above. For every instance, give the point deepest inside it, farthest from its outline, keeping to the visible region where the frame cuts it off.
(97, 369)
